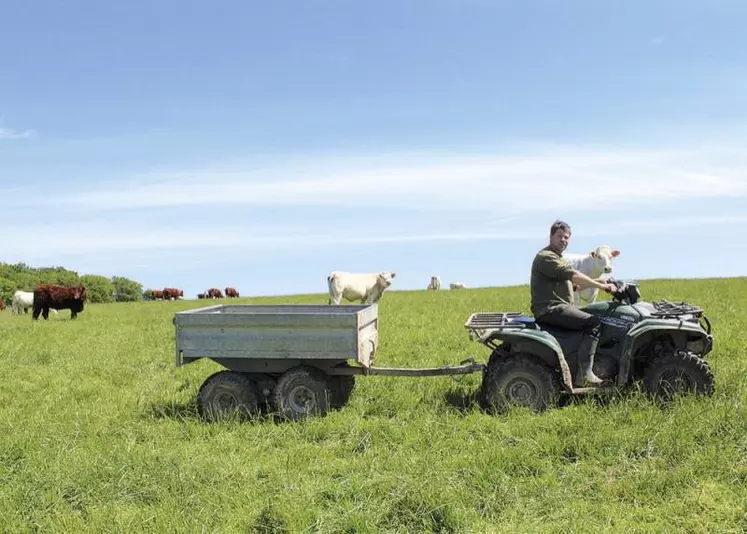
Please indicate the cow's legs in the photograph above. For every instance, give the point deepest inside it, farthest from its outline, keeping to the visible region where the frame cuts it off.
(45, 312)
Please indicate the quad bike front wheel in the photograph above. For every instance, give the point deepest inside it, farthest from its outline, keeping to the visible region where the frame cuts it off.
(677, 373)
(519, 380)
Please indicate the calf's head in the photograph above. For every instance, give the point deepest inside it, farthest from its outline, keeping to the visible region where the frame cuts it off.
(603, 256)
(384, 279)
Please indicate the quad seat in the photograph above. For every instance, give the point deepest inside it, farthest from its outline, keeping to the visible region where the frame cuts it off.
(527, 321)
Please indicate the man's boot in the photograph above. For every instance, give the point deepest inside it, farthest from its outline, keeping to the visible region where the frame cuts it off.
(585, 370)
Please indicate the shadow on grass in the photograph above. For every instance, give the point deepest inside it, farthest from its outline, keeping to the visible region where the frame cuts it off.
(463, 400)
(175, 410)
(182, 411)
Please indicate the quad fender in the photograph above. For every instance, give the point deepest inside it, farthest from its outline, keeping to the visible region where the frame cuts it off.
(536, 342)
(648, 329)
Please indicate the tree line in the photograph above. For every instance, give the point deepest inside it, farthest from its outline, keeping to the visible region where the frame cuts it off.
(100, 288)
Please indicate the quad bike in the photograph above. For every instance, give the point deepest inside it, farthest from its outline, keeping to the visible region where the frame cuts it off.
(660, 345)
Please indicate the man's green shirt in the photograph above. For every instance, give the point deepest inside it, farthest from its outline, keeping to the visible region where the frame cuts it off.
(550, 282)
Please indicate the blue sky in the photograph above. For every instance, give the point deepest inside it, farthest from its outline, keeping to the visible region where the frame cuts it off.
(264, 144)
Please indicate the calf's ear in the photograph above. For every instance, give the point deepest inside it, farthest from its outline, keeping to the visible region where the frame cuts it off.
(593, 253)
(615, 253)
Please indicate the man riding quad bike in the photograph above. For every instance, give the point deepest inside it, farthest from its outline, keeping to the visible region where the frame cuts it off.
(660, 344)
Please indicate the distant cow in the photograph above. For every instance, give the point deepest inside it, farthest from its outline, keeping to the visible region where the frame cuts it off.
(47, 296)
(457, 285)
(156, 294)
(232, 293)
(435, 283)
(2, 304)
(171, 293)
(202, 295)
(366, 287)
(595, 264)
(214, 293)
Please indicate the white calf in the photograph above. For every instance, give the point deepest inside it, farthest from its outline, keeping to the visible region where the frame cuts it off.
(366, 287)
(457, 285)
(595, 264)
(435, 283)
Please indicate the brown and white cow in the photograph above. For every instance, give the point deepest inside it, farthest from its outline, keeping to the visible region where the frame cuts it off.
(171, 293)
(231, 293)
(156, 294)
(48, 296)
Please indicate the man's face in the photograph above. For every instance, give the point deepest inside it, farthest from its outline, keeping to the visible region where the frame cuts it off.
(559, 240)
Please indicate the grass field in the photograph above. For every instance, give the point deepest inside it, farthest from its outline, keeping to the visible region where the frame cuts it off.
(99, 432)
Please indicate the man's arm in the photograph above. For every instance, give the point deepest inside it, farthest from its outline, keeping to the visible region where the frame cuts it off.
(584, 282)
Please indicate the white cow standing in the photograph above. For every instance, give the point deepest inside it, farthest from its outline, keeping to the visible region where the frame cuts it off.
(457, 285)
(366, 287)
(435, 283)
(595, 264)
(22, 301)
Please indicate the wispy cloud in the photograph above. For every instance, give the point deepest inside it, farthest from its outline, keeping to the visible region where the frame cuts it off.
(72, 240)
(656, 41)
(8, 133)
(554, 178)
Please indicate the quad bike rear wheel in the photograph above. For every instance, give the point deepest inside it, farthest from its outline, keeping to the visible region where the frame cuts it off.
(519, 380)
(677, 373)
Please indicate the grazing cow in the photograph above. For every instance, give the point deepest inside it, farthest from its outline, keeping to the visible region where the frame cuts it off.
(595, 264)
(202, 295)
(171, 293)
(231, 293)
(214, 293)
(435, 283)
(47, 296)
(366, 287)
(2, 304)
(156, 294)
(457, 285)
(22, 301)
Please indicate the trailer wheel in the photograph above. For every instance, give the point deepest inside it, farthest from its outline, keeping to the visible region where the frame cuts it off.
(227, 394)
(341, 387)
(301, 392)
(519, 380)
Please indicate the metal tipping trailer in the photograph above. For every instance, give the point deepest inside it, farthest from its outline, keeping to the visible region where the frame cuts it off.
(291, 359)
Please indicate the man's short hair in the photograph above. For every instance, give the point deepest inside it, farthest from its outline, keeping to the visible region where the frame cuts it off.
(560, 225)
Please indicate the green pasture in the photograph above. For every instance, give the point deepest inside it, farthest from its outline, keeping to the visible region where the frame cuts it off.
(99, 432)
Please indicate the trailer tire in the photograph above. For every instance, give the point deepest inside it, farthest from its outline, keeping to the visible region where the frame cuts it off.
(302, 392)
(227, 394)
(341, 387)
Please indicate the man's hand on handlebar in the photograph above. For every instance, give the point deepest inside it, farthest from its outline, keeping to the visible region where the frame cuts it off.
(609, 288)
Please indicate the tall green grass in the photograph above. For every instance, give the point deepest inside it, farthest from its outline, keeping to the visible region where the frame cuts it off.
(99, 432)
